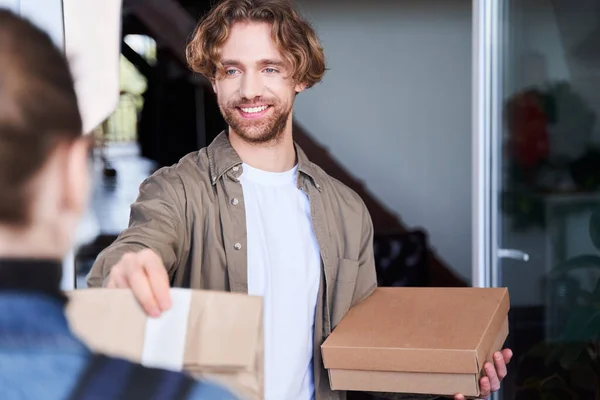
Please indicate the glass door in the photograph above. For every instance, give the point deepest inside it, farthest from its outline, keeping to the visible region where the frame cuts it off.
(536, 161)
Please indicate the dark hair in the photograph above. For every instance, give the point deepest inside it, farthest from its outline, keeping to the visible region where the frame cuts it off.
(38, 110)
(293, 36)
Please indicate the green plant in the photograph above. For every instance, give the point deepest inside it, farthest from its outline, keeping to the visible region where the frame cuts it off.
(572, 363)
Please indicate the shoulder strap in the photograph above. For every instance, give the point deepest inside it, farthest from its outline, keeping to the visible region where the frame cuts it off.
(108, 378)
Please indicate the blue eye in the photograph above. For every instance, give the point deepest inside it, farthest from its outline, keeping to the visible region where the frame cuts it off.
(230, 72)
(270, 70)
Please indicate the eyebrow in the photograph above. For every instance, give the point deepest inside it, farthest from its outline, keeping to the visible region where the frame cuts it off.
(268, 61)
(230, 63)
(263, 62)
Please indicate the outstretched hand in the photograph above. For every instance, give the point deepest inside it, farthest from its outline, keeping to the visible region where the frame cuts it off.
(145, 274)
(494, 374)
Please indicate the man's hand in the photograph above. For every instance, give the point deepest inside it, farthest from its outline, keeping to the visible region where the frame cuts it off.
(494, 375)
(146, 275)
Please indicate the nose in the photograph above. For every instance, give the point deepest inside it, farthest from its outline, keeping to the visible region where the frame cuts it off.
(250, 86)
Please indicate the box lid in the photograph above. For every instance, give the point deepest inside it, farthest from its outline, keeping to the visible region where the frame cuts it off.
(445, 330)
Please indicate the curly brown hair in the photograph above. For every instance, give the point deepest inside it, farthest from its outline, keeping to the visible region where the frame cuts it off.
(293, 36)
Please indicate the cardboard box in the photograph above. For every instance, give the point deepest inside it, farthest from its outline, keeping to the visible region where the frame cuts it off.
(418, 340)
(213, 335)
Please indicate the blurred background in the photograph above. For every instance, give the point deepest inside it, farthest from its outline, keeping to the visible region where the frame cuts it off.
(469, 128)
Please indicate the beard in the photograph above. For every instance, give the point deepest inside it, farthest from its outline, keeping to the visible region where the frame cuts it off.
(268, 129)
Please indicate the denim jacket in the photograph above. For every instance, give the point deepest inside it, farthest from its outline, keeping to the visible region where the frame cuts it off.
(40, 359)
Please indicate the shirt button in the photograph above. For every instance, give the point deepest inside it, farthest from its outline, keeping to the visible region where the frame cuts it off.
(235, 201)
(237, 246)
(236, 168)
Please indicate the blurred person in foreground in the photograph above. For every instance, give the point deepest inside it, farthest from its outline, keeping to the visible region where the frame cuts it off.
(251, 213)
(43, 192)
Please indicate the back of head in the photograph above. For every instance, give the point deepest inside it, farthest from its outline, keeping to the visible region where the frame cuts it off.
(38, 111)
(294, 37)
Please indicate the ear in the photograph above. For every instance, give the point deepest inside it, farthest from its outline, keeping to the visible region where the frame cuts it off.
(77, 182)
(300, 87)
(213, 82)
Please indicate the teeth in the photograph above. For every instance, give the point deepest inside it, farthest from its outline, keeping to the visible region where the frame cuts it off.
(254, 109)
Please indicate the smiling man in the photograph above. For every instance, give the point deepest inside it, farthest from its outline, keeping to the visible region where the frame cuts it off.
(250, 213)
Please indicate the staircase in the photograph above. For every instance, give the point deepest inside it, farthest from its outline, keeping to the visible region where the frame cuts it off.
(170, 24)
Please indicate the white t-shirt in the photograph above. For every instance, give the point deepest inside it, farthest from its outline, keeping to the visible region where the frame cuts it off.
(284, 267)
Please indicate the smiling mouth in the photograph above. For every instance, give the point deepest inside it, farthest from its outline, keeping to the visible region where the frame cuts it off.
(253, 112)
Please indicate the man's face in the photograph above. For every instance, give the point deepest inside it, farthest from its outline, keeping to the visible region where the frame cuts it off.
(255, 92)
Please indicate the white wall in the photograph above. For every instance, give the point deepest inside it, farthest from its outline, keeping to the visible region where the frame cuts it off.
(395, 109)
(47, 14)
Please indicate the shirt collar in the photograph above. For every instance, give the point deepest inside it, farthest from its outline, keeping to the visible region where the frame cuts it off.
(32, 275)
(222, 157)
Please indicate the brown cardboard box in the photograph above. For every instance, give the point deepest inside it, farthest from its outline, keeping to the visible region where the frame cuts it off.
(218, 336)
(418, 340)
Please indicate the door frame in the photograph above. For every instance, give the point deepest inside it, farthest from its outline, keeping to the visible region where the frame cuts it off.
(486, 139)
(487, 81)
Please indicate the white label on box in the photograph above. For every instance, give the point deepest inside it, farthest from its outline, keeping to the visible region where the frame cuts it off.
(164, 338)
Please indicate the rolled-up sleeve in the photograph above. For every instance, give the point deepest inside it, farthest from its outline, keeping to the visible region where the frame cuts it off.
(156, 222)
